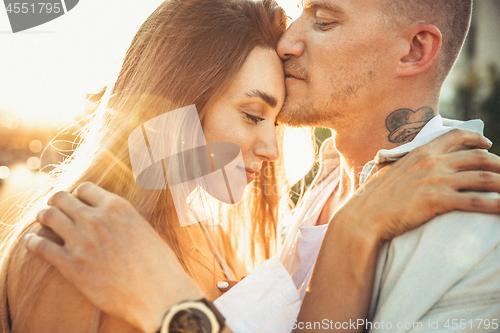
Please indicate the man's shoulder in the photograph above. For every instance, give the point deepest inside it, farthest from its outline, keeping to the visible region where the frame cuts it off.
(454, 256)
(454, 239)
(454, 226)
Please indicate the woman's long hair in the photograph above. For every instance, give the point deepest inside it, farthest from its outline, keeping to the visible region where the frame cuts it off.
(187, 52)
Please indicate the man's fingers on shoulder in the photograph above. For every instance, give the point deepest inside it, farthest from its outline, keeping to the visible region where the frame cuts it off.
(46, 249)
(115, 204)
(91, 194)
(68, 204)
(475, 180)
(474, 159)
(56, 198)
(475, 202)
(55, 219)
(468, 139)
(455, 139)
(96, 196)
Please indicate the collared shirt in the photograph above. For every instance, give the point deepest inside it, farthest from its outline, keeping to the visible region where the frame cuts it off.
(271, 281)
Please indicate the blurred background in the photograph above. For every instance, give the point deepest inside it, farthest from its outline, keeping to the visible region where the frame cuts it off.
(52, 75)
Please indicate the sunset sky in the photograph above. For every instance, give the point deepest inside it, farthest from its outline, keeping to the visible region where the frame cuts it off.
(46, 71)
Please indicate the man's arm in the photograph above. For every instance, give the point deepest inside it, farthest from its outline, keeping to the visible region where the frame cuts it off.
(106, 239)
(448, 269)
(41, 300)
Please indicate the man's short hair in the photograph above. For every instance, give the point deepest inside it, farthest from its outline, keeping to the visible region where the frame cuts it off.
(451, 17)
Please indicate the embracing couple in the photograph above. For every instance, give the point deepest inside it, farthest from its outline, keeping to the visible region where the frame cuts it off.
(398, 227)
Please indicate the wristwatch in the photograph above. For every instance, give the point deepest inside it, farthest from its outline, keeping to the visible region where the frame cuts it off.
(199, 316)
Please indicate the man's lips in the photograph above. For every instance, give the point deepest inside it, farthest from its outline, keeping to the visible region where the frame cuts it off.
(292, 75)
(294, 71)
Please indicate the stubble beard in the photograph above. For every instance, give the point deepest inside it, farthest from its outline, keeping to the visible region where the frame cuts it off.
(298, 113)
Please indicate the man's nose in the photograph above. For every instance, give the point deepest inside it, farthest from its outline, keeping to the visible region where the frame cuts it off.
(291, 43)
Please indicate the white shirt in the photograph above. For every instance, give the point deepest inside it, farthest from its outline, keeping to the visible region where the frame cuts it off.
(268, 300)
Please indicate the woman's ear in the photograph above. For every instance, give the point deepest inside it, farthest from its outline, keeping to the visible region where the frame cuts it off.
(424, 41)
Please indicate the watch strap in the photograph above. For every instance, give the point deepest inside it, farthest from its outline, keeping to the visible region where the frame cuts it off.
(203, 306)
(218, 315)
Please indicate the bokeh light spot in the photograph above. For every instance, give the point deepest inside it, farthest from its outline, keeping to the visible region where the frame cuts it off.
(4, 172)
(33, 163)
(36, 146)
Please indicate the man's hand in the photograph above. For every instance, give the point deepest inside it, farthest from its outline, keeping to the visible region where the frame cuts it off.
(113, 256)
(433, 179)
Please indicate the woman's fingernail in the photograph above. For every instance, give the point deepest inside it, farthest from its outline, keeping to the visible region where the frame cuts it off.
(490, 142)
(222, 285)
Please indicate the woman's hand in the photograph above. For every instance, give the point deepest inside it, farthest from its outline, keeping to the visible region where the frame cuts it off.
(433, 179)
(113, 256)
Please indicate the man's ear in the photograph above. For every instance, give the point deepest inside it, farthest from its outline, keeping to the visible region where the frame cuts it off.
(424, 41)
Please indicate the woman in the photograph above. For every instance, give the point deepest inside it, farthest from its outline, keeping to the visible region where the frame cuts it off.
(219, 56)
(186, 53)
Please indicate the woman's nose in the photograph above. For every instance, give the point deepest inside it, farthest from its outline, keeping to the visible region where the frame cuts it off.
(267, 145)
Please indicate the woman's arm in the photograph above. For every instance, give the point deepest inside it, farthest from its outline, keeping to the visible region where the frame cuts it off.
(427, 182)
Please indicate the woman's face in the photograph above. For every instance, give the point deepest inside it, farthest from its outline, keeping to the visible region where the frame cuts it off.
(246, 113)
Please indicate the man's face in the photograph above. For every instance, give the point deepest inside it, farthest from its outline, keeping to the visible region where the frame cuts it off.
(336, 58)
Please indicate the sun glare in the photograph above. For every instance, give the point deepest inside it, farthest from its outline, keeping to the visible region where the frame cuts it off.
(291, 7)
(48, 70)
(298, 153)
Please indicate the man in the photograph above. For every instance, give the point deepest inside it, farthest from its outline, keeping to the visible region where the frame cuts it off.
(371, 70)
(377, 67)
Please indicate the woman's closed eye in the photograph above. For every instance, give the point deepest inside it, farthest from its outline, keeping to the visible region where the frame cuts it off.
(254, 119)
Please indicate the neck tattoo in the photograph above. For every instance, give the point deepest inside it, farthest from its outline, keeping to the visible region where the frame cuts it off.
(405, 124)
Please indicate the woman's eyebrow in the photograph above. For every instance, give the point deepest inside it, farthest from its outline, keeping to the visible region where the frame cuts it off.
(267, 98)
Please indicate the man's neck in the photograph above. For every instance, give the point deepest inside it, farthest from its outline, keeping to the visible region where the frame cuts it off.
(388, 128)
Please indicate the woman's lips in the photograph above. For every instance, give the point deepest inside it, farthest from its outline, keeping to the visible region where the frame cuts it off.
(250, 176)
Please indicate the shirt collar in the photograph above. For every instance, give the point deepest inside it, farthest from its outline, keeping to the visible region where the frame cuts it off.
(437, 126)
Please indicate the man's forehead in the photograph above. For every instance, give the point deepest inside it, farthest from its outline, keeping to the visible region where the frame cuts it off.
(335, 5)
(327, 4)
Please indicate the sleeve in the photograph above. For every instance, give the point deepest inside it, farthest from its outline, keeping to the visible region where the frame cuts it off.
(41, 300)
(443, 276)
(264, 301)
(472, 305)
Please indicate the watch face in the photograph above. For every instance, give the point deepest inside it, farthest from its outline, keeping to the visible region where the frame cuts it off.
(190, 321)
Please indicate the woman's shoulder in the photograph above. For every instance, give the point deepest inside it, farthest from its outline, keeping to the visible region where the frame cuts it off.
(37, 298)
